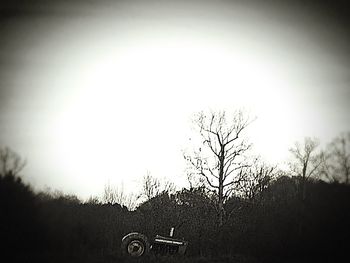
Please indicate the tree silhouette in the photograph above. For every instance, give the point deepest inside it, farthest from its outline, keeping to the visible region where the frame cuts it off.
(307, 162)
(152, 186)
(10, 162)
(116, 195)
(219, 161)
(337, 163)
(257, 178)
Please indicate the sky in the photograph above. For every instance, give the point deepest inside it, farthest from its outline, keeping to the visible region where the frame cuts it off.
(97, 92)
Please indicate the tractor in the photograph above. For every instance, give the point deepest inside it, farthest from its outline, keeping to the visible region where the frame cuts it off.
(137, 245)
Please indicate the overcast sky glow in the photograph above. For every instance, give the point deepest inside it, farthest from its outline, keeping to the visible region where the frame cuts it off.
(95, 93)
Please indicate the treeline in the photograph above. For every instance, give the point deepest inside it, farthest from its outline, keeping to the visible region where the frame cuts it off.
(237, 208)
(272, 226)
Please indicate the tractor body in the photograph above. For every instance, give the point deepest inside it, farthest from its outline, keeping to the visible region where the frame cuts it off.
(138, 245)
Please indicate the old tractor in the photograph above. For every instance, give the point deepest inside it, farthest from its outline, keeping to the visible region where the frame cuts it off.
(138, 245)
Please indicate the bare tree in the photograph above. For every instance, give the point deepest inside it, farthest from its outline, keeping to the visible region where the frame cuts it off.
(257, 177)
(220, 158)
(152, 186)
(109, 194)
(307, 162)
(337, 163)
(10, 162)
(116, 195)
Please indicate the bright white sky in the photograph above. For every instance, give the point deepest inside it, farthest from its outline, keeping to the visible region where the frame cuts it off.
(108, 96)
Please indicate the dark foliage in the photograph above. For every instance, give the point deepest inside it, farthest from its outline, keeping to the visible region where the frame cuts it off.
(272, 227)
(22, 232)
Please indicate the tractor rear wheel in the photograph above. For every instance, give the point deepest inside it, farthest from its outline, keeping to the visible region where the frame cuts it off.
(135, 245)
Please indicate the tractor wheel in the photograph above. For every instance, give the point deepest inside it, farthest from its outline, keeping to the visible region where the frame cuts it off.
(135, 245)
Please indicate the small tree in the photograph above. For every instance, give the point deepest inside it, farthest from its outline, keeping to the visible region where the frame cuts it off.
(152, 187)
(306, 163)
(337, 163)
(220, 158)
(257, 177)
(10, 162)
(115, 195)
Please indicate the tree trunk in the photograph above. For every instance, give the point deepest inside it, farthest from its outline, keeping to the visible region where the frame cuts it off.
(221, 187)
(221, 207)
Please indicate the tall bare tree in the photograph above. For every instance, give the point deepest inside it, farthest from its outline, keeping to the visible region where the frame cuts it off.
(220, 158)
(337, 166)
